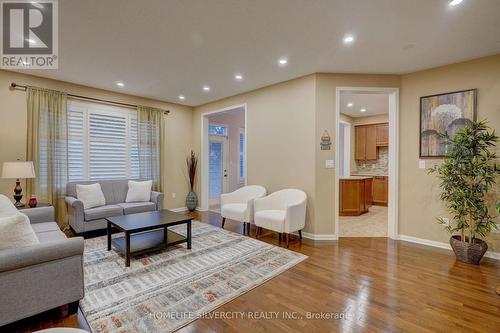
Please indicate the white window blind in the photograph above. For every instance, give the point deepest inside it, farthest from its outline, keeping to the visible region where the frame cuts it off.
(102, 142)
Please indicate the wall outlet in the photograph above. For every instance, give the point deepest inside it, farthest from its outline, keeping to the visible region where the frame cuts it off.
(174, 195)
(329, 164)
(421, 164)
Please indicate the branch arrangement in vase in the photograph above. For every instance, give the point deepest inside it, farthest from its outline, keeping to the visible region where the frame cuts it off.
(192, 164)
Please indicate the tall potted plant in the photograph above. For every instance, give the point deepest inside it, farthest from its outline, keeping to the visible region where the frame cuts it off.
(191, 199)
(467, 175)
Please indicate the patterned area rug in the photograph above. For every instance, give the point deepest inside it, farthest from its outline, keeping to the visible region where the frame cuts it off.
(165, 290)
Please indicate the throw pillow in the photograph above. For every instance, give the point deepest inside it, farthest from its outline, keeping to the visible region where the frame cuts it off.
(91, 195)
(7, 208)
(139, 191)
(16, 231)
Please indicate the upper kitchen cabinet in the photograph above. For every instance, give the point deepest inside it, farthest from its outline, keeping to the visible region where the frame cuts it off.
(382, 134)
(368, 138)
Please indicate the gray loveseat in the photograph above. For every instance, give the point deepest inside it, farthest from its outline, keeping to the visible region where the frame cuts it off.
(40, 277)
(115, 193)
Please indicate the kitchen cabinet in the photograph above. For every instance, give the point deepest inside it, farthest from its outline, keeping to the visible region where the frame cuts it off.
(382, 134)
(355, 195)
(380, 190)
(367, 138)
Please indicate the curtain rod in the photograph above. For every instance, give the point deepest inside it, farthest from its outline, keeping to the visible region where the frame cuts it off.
(14, 85)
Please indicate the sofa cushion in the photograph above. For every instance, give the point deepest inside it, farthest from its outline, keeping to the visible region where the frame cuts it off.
(50, 236)
(44, 227)
(16, 231)
(91, 195)
(115, 191)
(102, 212)
(137, 207)
(235, 211)
(139, 191)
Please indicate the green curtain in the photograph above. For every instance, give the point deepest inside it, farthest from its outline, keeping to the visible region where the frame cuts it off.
(150, 142)
(47, 147)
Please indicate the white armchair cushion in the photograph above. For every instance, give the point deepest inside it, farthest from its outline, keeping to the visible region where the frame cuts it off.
(271, 219)
(139, 191)
(291, 204)
(235, 211)
(91, 195)
(238, 205)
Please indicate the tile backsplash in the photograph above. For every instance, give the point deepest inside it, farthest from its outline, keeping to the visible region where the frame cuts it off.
(379, 166)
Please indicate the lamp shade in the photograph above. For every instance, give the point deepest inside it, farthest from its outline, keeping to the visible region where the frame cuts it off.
(18, 169)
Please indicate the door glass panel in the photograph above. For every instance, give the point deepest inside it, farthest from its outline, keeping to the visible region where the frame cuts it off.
(215, 169)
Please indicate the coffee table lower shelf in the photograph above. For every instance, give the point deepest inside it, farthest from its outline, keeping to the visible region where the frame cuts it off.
(148, 241)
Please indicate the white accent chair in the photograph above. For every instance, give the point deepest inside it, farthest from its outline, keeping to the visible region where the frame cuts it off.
(282, 211)
(238, 205)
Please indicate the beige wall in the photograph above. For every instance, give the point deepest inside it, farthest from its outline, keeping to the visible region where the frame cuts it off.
(234, 120)
(419, 204)
(326, 85)
(285, 123)
(280, 132)
(375, 119)
(13, 127)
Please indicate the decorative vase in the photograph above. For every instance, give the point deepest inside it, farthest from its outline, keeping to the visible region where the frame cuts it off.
(468, 253)
(33, 202)
(191, 201)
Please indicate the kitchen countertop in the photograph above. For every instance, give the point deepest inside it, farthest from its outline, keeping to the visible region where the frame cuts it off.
(355, 177)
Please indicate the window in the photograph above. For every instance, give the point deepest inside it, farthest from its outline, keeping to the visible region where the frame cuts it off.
(241, 169)
(102, 142)
(214, 129)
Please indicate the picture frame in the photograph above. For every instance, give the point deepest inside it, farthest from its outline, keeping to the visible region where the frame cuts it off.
(446, 112)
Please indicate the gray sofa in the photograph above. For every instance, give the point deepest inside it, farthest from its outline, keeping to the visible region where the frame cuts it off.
(115, 193)
(37, 278)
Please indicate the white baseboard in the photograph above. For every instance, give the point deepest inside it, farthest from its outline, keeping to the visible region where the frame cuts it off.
(488, 254)
(319, 237)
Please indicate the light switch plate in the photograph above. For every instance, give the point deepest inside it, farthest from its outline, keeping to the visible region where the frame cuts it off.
(421, 164)
(329, 164)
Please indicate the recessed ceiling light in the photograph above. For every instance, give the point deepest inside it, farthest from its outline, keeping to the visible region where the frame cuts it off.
(348, 39)
(283, 61)
(206, 88)
(238, 77)
(182, 97)
(349, 105)
(120, 84)
(455, 2)
(363, 110)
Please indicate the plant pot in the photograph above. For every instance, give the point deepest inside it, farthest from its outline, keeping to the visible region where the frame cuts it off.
(191, 201)
(469, 253)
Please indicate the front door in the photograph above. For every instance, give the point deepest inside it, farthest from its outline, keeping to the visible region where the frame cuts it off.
(217, 172)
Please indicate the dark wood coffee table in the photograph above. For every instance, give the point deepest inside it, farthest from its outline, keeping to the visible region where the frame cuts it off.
(147, 232)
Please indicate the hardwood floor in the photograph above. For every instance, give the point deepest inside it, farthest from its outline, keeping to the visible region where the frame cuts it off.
(379, 285)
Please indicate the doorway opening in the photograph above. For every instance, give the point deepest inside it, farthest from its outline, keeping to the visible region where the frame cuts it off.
(366, 156)
(223, 156)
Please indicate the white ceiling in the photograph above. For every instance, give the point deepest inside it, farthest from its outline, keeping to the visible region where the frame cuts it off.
(162, 49)
(374, 103)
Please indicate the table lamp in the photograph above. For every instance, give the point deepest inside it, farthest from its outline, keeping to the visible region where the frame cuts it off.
(17, 170)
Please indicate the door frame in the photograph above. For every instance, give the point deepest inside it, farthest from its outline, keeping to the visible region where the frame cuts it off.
(204, 199)
(392, 223)
(347, 146)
